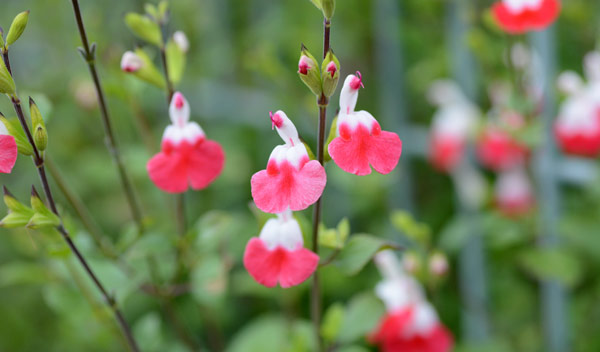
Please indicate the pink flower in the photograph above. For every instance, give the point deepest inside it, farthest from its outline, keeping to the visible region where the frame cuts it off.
(305, 64)
(513, 193)
(520, 16)
(498, 151)
(361, 143)
(8, 150)
(186, 157)
(291, 179)
(131, 62)
(331, 68)
(577, 128)
(278, 255)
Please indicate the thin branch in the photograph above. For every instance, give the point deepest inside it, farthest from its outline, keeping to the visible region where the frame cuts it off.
(89, 54)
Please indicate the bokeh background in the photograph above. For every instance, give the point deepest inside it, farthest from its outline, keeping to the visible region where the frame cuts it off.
(241, 65)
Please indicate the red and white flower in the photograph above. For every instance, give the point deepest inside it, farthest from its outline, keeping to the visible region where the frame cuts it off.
(131, 62)
(520, 16)
(360, 142)
(8, 150)
(278, 254)
(410, 323)
(452, 124)
(513, 193)
(187, 158)
(497, 150)
(577, 127)
(291, 180)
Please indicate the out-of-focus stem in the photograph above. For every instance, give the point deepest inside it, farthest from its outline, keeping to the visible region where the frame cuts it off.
(111, 142)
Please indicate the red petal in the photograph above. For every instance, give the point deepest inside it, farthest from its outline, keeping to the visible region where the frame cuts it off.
(168, 172)
(445, 152)
(528, 19)
(8, 153)
(289, 268)
(353, 151)
(206, 163)
(283, 186)
(579, 144)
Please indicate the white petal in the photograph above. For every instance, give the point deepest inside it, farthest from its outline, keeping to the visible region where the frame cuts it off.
(179, 110)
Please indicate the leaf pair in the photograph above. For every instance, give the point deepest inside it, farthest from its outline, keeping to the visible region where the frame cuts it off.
(35, 217)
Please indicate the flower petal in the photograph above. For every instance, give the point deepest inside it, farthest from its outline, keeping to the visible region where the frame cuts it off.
(8, 153)
(206, 163)
(168, 171)
(289, 268)
(384, 151)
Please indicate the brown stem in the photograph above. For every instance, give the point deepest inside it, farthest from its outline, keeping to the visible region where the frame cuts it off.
(39, 163)
(111, 142)
(315, 292)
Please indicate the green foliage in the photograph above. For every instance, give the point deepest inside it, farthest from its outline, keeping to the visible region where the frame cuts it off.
(176, 61)
(14, 129)
(332, 322)
(144, 28)
(552, 264)
(334, 238)
(17, 27)
(359, 250)
(273, 333)
(361, 317)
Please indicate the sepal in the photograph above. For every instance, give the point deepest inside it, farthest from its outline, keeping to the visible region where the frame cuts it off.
(17, 27)
(43, 217)
(175, 61)
(148, 71)
(14, 129)
(18, 213)
(328, 8)
(7, 84)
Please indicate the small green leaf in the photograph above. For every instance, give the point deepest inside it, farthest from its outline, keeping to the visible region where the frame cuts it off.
(176, 61)
(43, 217)
(454, 235)
(143, 27)
(148, 72)
(357, 253)
(406, 223)
(552, 264)
(7, 84)
(332, 322)
(17, 27)
(18, 214)
(317, 3)
(334, 238)
(328, 7)
(361, 317)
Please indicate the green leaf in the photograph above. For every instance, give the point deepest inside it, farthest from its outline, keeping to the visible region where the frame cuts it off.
(43, 217)
(143, 27)
(454, 235)
(272, 333)
(334, 238)
(362, 315)
(317, 3)
(358, 252)
(176, 61)
(332, 322)
(148, 72)
(147, 332)
(18, 213)
(406, 223)
(209, 280)
(24, 273)
(552, 264)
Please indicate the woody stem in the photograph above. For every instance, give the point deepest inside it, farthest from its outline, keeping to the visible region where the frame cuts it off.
(89, 56)
(39, 163)
(315, 293)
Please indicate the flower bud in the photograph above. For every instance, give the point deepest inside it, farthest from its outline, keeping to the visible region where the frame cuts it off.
(143, 27)
(17, 27)
(182, 41)
(309, 71)
(411, 262)
(330, 73)
(40, 135)
(438, 264)
(140, 65)
(328, 7)
(7, 85)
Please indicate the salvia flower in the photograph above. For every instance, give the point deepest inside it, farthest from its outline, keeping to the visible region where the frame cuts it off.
(410, 323)
(577, 127)
(278, 254)
(520, 16)
(498, 150)
(131, 62)
(291, 180)
(8, 150)
(187, 157)
(360, 142)
(513, 193)
(452, 125)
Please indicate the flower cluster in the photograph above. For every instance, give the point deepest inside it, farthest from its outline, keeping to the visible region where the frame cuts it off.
(410, 323)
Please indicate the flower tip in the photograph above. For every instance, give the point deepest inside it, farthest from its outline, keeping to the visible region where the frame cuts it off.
(331, 68)
(178, 100)
(356, 82)
(303, 65)
(276, 120)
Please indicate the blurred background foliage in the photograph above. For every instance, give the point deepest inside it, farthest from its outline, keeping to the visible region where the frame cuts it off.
(242, 64)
